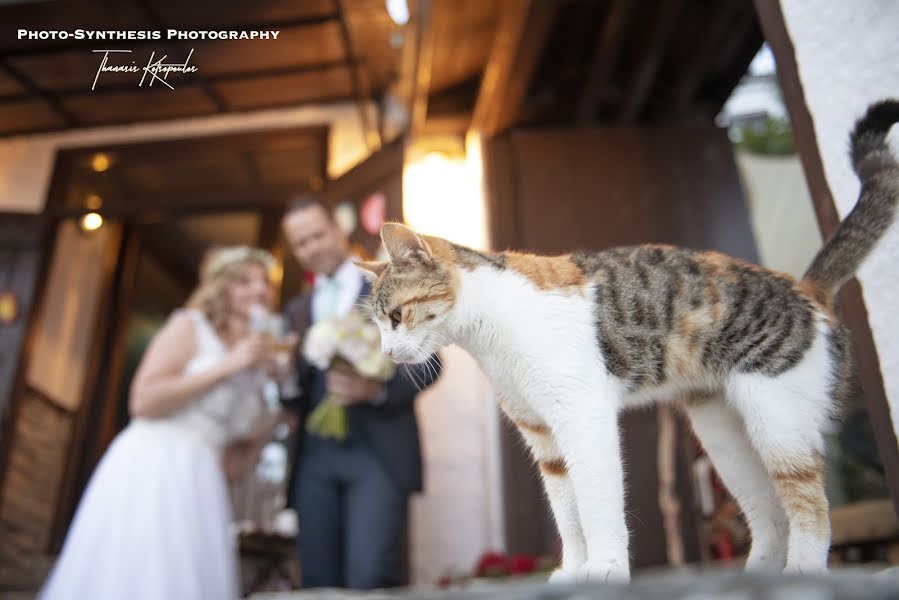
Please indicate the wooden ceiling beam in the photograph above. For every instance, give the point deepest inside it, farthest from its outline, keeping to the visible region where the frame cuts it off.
(424, 62)
(300, 138)
(640, 84)
(370, 130)
(604, 58)
(153, 208)
(36, 91)
(522, 34)
(187, 83)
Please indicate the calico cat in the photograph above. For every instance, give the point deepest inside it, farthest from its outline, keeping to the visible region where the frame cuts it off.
(757, 360)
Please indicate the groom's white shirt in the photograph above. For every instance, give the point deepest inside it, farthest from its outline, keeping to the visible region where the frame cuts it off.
(349, 280)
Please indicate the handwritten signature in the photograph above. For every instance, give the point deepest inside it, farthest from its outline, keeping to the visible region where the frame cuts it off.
(156, 70)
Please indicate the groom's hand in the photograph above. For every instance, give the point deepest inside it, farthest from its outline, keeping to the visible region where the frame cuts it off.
(350, 387)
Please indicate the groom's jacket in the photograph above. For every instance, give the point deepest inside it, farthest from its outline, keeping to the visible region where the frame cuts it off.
(389, 428)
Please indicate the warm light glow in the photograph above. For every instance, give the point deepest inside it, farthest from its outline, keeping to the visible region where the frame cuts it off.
(93, 202)
(276, 274)
(398, 11)
(442, 195)
(100, 162)
(91, 221)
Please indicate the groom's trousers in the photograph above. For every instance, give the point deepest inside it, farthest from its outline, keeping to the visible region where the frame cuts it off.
(352, 517)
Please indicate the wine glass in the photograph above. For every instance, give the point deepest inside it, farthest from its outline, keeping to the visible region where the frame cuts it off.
(274, 331)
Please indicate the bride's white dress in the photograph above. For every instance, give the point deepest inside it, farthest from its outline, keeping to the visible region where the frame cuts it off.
(155, 520)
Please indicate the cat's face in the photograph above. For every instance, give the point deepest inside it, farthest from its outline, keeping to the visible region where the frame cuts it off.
(413, 296)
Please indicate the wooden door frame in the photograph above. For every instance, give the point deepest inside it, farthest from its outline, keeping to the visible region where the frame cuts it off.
(46, 232)
(852, 305)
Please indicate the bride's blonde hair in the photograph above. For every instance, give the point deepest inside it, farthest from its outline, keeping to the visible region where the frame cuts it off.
(221, 268)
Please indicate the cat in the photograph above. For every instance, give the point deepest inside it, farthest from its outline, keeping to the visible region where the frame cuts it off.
(757, 361)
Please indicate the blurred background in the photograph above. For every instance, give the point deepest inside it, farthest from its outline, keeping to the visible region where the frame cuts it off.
(542, 125)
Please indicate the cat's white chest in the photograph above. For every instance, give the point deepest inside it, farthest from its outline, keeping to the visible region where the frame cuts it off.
(539, 348)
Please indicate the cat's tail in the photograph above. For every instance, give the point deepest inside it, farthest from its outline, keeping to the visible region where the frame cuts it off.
(875, 210)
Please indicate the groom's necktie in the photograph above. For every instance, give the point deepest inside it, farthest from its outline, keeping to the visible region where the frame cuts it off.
(328, 295)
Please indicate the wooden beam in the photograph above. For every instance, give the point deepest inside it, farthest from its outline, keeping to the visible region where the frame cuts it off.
(116, 346)
(184, 148)
(35, 90)
(368, 129)
(448, 124)
(424, 60)
(852, 303)
(644, 75)
(191, 83)
(522, 34)
(155, 209)
(604, 58)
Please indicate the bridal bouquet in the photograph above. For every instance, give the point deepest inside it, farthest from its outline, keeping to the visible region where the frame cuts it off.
(354, 341)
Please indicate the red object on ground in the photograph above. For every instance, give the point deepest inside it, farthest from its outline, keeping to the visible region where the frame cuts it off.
(724, 545)
(491, 564)
(522, 564)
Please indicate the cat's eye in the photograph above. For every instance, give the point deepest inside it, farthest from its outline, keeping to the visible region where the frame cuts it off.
(396, 317)
(430, 317)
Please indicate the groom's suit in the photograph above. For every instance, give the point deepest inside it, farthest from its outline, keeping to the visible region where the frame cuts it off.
(351, 496)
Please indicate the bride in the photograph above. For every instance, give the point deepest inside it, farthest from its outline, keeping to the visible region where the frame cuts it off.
(154, 521)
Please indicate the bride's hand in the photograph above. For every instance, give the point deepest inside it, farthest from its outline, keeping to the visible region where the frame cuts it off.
(249, 351)
(282, 361)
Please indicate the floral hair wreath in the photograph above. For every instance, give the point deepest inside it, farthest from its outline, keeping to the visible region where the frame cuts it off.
(231, 255)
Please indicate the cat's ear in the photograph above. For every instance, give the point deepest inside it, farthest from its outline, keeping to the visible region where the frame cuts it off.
(371, 269)
(402, 243)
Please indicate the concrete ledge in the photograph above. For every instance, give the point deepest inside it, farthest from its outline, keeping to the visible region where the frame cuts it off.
(667, 585)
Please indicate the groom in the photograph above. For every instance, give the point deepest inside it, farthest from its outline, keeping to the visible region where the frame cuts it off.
(352, 495)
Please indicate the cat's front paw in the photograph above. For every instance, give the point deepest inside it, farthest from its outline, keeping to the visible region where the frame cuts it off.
(604, 571)
(562, 577)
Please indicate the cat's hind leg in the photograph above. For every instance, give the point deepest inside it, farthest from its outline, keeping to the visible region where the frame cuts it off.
(784, 416)
(723, 436)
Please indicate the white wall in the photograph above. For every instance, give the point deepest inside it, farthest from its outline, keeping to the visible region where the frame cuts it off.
(848, 56)
(780, 210)
(459, 515)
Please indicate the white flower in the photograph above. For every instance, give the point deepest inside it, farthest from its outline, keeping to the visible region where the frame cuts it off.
(371, 334)
(355, 339)
(354, 349)
(376, 366)
(320, 344)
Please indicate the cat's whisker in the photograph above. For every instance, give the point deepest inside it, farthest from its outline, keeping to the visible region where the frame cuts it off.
(410, 372)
